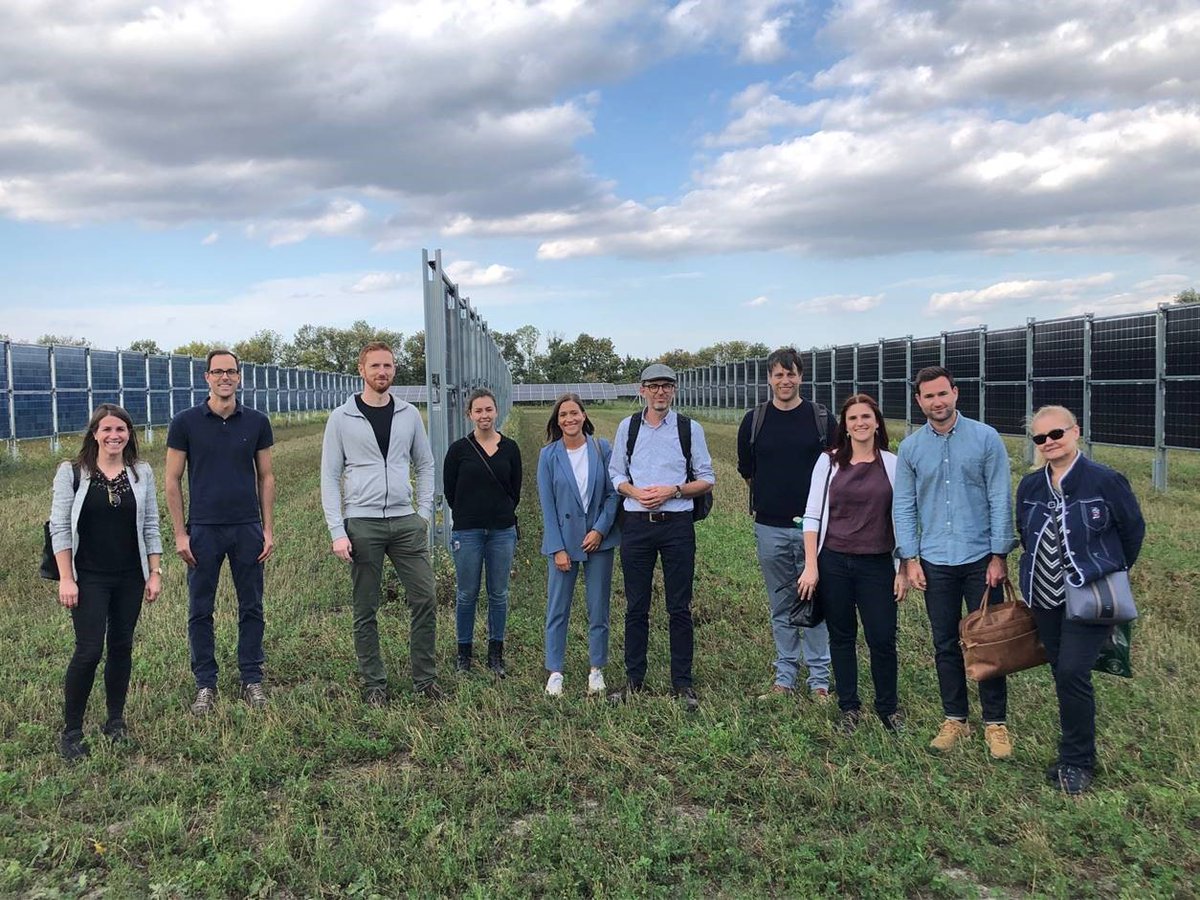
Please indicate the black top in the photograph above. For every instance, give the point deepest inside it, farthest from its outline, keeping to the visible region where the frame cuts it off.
(222, 477)
(108, 534)
(476, 498)
(781, 461)
(380, 418)
(860, 510)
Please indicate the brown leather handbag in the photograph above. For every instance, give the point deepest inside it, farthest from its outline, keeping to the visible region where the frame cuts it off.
(1000, 638)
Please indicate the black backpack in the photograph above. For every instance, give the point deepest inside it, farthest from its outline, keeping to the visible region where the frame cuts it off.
(702, 505)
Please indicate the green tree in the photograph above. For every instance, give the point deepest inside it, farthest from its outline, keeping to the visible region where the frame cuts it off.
(519, 349)
(146, 345)
(678, 359)
(1187, 296)
(266, 346)
(197, 348)
(330, 349)
(586, 358)
(63, 340)
(410, 365)
(730, 351)
(631, 369)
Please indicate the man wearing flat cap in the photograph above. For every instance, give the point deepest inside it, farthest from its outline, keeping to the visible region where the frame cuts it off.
(649, 469)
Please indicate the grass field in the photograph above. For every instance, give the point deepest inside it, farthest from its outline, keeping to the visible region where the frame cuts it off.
(504, 792)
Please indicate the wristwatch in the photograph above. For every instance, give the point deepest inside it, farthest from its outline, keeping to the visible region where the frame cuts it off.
(156, 571)
(678, 492)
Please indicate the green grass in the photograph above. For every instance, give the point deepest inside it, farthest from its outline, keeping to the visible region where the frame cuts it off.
(503, 792)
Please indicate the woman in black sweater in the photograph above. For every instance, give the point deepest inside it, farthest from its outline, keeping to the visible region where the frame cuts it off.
(481, 478)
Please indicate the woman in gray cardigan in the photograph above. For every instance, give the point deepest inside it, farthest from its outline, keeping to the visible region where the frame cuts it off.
(107, 546)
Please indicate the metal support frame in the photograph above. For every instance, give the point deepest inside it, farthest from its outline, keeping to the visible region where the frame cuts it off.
(1159, 468)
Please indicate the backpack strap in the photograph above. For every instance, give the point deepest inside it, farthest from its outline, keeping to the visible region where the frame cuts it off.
(821, 417)
(756, 421)
(635, 425)
(74, 478)
(684, 425)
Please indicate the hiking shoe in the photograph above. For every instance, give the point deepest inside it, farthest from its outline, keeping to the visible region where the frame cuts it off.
(777, 692)
(72, 746)
(206, 699)
(376, 696)
(627, 693)
(687, 697)
(952, 731)
(254, 695)
(849, 722)
(998, 742)
(1073, 780)
(554, 684)
(432, 692)
(596, 683)
(1052, 772)
(893, 723)
(495, 661)
(462, 662)
(820, 695)
(115, 730)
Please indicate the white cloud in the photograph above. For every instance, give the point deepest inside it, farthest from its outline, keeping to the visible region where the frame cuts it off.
(757, 301)
(211, 238)
(757, 27)
(1019, 291)
(466, 273)
(337, 218)
(378, 281)
(1143, 295)
(855, 303)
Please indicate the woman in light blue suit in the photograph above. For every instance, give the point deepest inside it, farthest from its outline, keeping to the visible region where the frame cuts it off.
(579, 511)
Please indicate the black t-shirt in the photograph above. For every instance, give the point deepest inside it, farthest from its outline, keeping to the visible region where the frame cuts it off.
(476, 498)
(781, 461)
(108, 534)
(380, 418)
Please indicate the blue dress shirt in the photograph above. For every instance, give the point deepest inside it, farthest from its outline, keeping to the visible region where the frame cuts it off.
(658, 459)
(952, 502)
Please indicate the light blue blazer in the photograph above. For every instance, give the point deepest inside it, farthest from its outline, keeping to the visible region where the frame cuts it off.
(565, 522)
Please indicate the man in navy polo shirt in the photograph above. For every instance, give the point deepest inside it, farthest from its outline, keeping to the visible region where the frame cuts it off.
(226, 448)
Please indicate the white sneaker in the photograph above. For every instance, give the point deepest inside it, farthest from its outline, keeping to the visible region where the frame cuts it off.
(554, 684)
(596, 683)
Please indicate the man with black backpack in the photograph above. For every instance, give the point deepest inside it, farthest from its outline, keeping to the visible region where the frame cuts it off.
(779, 442)
(661, 467)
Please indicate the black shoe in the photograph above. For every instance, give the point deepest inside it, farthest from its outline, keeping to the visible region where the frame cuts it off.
(893, 723)
(1073, 780)
(850, 720)
(115, 730)
(432, 692)
(463, 662)
(687, 697)
(1052, 772)
(376, 696)
(496, 659)
(627, 693)
(72, 745)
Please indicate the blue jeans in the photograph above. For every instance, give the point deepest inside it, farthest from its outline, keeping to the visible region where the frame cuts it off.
(473, 549)
(597, 577)
(947, 588)
(781, 559)
(211, 544)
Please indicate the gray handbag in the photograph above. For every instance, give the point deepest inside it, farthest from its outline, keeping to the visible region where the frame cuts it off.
(1106, 601)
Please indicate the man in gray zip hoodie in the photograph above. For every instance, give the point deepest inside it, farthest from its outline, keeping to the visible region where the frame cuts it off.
(372, 442)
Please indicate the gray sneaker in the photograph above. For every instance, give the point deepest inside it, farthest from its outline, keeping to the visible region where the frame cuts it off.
(254, 695)
(432, 692)
(376, 696)
(206, 699)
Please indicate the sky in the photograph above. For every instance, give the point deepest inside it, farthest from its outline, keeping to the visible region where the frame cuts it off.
(665, 174)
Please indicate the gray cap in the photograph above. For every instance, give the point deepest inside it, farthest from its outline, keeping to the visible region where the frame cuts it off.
(658, 372)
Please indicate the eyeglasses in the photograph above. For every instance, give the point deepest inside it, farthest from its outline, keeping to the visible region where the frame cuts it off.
(659, 388)
(1054, 434)
(217, 373)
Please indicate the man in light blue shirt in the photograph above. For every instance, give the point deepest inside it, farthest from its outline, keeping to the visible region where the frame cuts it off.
(658, 500)
(952, 511)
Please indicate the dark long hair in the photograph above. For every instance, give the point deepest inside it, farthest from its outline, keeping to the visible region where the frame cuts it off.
(90, 451)
(554, 432)
(841, 438)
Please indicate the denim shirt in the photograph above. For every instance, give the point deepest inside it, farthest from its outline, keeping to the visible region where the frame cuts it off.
(658, 459)
(952, 502)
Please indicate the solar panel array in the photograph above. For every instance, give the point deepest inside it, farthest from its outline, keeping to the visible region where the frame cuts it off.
(548, 393)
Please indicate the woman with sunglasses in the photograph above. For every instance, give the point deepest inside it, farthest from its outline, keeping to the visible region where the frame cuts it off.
(579, 511)
(1079, 521)
(849, 551)
(107, 545)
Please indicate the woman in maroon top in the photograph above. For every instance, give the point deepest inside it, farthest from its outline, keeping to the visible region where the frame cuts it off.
(849, 551)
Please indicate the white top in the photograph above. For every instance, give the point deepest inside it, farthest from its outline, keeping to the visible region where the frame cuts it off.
(579, 465)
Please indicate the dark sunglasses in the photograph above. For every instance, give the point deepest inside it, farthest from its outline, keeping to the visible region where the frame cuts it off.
(1054, 434)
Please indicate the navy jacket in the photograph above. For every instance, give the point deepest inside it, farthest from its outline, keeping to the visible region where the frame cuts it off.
(1104, 525)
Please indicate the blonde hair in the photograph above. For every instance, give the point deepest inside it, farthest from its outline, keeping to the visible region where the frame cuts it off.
(1038, 460)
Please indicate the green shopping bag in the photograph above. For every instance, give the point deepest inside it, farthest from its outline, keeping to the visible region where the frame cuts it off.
(1114, 655)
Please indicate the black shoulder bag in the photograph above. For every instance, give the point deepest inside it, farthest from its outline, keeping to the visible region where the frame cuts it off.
(49, 566)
